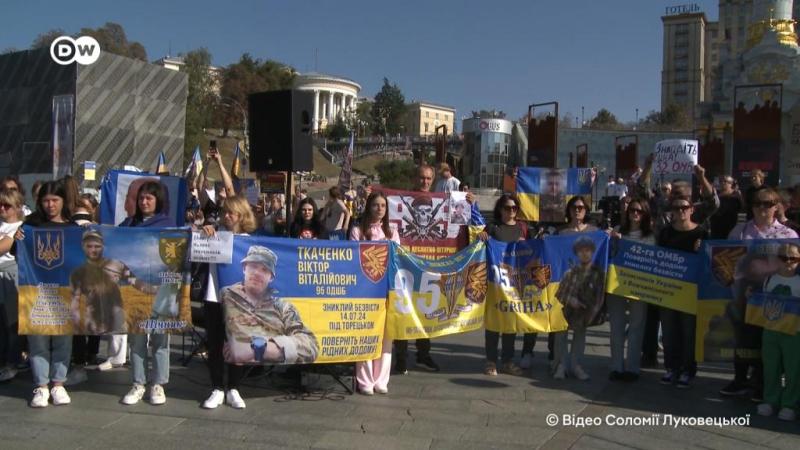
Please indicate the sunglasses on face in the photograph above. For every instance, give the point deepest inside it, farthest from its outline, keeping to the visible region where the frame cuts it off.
(677, 208)
(636, 211)
(510, 208)
(789, 259)
(578, 207)
(765, 204)
(6, 206)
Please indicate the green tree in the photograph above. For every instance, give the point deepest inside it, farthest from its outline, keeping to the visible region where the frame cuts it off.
(672, 117)
(388, 110)
(604, 120)
(200, 101)
(362, 120)
(43, 40)
(396, 174)
(247, 76)
(112, 39)
(337, 130)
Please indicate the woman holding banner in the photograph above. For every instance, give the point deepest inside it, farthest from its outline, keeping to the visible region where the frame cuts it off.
(150, 212)
(506, 228)
(373, 376)
(49, 355)
(679, 327)
(238, 218)
(747, 338)
(637, 226)
(577, 222)
(11, 216)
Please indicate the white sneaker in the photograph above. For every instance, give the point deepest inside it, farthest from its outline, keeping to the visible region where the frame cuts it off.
(134, 395)
(40, 397)
(381, 390)
(234, 399)
(765, 409)
(526, 361)
(559, 373)
(60, 396)
(579, 373)
(105, 365)
(367, 392)
(76, 376)
(214, 400)
(157, 396)
(787, 414)
(8, 373)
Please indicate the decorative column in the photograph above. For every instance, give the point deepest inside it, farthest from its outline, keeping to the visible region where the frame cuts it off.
(316, 110)
(331, 115)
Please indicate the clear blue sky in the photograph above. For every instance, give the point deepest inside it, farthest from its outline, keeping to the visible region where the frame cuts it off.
(466, 54)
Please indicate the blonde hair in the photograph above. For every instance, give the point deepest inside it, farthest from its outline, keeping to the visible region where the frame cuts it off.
(238, 205)
(13, 198)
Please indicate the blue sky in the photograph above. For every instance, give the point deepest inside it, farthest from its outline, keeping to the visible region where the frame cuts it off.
(467, 54)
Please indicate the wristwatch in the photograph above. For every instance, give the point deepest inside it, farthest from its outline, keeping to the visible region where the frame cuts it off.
(259, 345)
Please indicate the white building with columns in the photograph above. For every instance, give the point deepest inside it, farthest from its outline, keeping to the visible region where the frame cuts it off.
(333, 96)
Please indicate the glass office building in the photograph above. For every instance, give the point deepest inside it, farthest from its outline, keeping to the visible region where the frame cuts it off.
(485, 152)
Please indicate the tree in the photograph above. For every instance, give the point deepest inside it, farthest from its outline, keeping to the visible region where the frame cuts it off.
(672, 117)
(604, 120)
(200, 101)
(247, 76)
(43, 40)
(112, 39)
(388, 110)
(396, 174)
(363, 118)
(337, 130)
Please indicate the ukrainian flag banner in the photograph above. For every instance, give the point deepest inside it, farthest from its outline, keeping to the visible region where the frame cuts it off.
(103, 280)
(293, 301)
(731, 272)
(120, 188)
(543, 193)
(579, 263)
(436, 298)
(775, 312)
(517, 298)
(656, 275)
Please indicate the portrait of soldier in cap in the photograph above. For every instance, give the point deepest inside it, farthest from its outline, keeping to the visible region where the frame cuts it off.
(552, 199)
(97, 281)
(582, 288)
(260, 327)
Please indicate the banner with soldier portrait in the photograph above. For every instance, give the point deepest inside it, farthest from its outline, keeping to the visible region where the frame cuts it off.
(103, 280)
(743, 287)
(543, 193)
(435, 298)
(293, 301)
(431, 225)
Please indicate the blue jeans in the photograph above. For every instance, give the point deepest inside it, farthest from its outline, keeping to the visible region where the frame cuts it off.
(139, 358)
(49, 366)
(635, 333)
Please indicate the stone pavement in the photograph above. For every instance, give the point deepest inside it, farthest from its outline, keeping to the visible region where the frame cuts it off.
(458, 408)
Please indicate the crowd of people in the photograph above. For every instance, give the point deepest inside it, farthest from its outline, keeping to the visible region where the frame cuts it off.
(668, 216)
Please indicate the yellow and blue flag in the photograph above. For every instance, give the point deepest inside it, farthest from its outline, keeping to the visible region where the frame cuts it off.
(774, 312)
(543, 192)
(236, 167)
(161, 167)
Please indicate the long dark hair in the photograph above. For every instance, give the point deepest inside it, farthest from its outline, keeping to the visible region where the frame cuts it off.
(571, 203)
(51, 188)
(365, 222)
(299, 225)
(498, 206)
(155, 189)
(646, 224)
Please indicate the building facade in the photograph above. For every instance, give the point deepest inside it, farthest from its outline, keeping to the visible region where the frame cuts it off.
(177, 64)
(422, 118)
(333, 97)
(485, 151)
(684, 76)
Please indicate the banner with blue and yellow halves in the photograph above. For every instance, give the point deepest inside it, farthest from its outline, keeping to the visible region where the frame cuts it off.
(578, 264)
(119, 189)
(293, 301)
(731, 273)
(436, 298)
(517, 299)
(103, 280)
(543, 192)
(656, 275)
(776, 312)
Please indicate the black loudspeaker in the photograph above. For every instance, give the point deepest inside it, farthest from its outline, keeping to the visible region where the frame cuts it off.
(280, 128)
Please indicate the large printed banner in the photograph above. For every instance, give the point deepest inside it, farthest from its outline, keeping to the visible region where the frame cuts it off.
(119, 188)
(436, 298)
(292, 301)
(103, 280)
(733, 274)
(543, 193)
(656, 275)
(517, 299)
(431, 225)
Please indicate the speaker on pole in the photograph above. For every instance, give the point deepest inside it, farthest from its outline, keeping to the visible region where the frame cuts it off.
(280, 127)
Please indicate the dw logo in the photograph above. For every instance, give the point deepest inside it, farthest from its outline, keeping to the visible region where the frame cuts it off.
(84, 50)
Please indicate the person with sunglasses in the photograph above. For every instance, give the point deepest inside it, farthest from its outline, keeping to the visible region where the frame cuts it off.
(636, 226)
(11, 217)
(577, 214)
(679, 327)
(506, 228)
(730, 205)
(747, 338)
